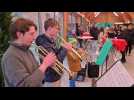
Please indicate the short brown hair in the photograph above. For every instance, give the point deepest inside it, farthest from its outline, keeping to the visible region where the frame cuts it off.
(50, 23)
(20, 25)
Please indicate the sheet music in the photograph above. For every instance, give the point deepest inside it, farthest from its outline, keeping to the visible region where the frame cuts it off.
(116, 77)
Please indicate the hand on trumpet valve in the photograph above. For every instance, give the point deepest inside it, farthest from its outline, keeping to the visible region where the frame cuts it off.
(49, 60)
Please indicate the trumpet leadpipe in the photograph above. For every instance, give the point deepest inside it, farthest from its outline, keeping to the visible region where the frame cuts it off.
(73, 50)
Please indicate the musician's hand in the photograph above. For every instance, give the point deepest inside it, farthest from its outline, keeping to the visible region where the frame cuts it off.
(49, 60)
(68, 46)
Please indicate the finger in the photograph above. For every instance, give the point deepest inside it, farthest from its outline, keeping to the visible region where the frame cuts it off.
(53, 54)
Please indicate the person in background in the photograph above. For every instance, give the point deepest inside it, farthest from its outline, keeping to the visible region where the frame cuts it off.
(79, 31)
(130, 33)
(123, 34)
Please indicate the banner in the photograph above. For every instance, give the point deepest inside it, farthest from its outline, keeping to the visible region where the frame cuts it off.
(104, 52)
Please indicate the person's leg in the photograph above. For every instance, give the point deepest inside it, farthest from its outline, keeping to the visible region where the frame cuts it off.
(81, 74)
(74, 75)
(123, 59)
(80, 42)
(130, 48)
(52, 84)
(126, 51)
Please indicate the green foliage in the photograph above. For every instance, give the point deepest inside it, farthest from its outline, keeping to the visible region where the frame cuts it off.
(5, 20)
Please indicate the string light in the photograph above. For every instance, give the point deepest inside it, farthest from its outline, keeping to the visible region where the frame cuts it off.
(96, 14)
(115, 14)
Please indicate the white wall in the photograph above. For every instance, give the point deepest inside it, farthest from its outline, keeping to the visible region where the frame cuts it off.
(40, 17)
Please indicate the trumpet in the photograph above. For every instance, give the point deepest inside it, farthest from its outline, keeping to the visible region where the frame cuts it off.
(59, 68)
(73, 50)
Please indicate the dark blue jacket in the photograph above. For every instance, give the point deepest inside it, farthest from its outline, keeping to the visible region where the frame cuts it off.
(50, 46)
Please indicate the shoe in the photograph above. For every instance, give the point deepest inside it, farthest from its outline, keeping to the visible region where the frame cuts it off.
(123, 61)
(72, 83)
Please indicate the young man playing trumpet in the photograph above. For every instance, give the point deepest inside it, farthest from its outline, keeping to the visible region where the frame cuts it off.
(19, 66)
(48, 41)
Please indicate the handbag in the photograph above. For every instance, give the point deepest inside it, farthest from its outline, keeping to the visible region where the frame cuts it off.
(92, 70)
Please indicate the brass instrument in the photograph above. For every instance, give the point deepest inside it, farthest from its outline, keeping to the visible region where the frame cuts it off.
(73, 50)
(59, 68)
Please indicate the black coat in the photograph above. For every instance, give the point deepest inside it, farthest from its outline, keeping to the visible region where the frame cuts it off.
(50, 46)
(131, 36)
(123, 35)
(94, 32)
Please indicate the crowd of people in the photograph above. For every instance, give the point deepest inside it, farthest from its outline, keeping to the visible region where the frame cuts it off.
(125, 32)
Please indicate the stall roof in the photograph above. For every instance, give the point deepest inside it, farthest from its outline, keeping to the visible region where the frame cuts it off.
(112, 17)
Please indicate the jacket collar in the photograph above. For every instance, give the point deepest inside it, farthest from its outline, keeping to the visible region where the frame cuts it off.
(48, 39)
(18, 45)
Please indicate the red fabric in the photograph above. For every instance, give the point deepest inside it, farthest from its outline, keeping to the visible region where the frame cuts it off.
(119, 44)
(103, 39)
(85, 34)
